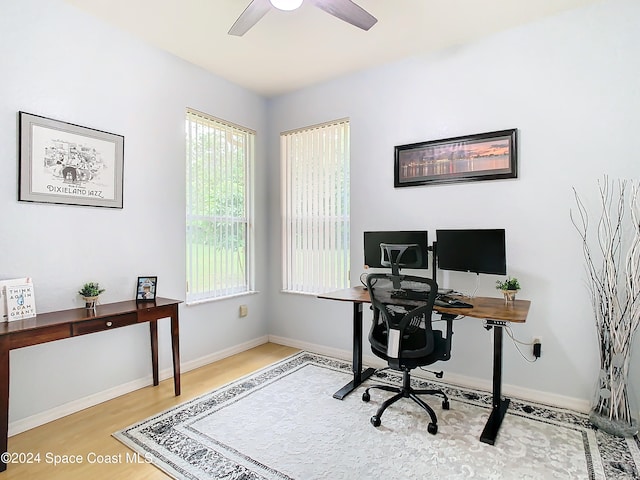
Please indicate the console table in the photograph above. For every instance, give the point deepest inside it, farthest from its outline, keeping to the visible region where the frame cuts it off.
(52, 326)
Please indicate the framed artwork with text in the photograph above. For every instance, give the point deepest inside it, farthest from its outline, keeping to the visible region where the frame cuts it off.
(69, 164)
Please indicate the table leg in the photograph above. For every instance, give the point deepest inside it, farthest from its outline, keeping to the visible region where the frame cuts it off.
(358, 375)
(175, 347)
(498, 405)
(153, 329)
(4, 397)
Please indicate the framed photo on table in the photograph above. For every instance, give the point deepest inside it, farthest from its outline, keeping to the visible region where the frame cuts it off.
(146, 290)
(484, 156)
(69, 164)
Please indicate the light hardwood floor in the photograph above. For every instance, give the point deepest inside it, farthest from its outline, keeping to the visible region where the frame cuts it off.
(87, 434)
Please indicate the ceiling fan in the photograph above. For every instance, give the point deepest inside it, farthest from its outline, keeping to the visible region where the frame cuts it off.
(343, 9)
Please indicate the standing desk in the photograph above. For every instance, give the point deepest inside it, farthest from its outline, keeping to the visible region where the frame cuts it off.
(48, 327)
(495, 311)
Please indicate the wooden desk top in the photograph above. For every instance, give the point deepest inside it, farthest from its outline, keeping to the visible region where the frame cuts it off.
(43, 320)
(483, 307)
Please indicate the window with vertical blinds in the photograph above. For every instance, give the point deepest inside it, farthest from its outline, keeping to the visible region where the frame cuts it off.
(219, 160)
(315, 208)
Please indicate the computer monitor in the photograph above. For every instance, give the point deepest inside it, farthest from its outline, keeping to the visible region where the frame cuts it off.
(478, 251)
(376, 257)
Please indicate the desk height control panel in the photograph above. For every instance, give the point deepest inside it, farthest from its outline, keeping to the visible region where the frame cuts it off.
(496, 323)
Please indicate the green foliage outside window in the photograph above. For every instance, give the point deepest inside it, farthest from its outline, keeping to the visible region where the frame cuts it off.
(217, 210)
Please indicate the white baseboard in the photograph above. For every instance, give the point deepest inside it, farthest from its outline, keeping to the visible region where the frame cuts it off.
(214, 357)
(47, 416)
(74, 406)
(312, 347)
(513, 391)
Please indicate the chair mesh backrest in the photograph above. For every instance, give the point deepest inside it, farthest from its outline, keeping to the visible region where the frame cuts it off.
(402, 308)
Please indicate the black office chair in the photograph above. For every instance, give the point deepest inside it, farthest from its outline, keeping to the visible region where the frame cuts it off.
(401, 333)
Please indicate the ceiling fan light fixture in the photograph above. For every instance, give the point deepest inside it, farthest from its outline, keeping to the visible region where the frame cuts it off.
(286, 4)
(345, 10)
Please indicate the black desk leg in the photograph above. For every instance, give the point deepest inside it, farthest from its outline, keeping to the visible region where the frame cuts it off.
(499, 405)
(358, 375)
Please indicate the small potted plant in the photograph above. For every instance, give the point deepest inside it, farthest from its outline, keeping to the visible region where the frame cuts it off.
(509, 288)
(90, 292)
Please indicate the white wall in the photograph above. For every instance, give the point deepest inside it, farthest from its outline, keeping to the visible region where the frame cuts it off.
(570, 85)
(59, 62)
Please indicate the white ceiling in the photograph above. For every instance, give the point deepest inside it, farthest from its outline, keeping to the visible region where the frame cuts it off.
(286, 51)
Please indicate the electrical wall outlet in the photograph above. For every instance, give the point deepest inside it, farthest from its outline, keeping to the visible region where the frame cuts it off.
(537, 347)
(244, 310)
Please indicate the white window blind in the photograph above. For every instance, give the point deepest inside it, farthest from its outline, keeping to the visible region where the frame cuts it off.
(219, 161)
(315, 208)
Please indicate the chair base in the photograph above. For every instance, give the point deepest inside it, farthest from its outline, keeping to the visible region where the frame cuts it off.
(406, 391)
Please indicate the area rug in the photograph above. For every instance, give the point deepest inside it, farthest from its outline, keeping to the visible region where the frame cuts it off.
(282, 422)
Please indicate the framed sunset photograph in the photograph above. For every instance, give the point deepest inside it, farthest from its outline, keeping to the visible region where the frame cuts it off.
(484, 156)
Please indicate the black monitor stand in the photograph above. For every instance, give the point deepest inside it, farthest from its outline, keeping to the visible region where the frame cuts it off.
(434, 251)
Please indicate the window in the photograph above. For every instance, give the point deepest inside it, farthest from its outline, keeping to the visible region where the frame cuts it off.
(219, 161)
(315, 208)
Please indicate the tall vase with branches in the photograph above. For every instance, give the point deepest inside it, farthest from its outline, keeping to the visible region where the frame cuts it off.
(612, 261)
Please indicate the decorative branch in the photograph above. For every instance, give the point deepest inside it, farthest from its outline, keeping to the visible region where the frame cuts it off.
(613, 279)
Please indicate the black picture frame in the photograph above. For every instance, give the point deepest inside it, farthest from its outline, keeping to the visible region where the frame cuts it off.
(69, 164)
(483, 156)
(146, 289)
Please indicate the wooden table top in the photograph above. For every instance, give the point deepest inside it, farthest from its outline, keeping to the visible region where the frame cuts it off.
(42, 320)
(483, 307)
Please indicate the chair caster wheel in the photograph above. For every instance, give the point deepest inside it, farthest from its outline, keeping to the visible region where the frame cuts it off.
(445, 404)
(375, 421)
(366, 397)
(432, 428)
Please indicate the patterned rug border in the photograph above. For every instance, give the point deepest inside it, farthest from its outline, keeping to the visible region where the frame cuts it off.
(618, 457)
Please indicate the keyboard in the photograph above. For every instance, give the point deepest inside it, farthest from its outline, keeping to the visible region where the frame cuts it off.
(441, 300)
(410, 294)
(450, 302)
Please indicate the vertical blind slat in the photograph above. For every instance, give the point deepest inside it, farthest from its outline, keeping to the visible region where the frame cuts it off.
(315, 183)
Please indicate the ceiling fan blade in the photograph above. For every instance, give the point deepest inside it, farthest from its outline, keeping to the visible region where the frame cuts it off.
(348, 11)
(251, 15)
